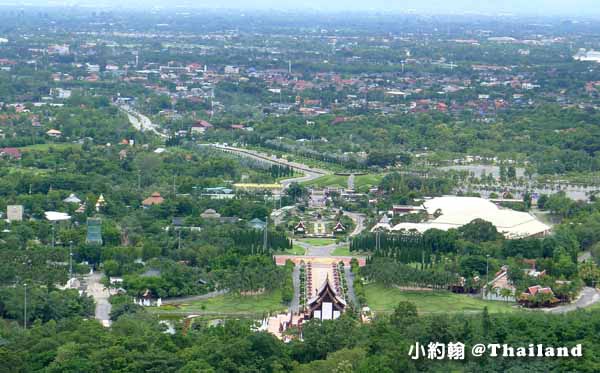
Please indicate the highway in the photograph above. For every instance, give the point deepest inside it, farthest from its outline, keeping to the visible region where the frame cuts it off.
(310, 173)
(141, 122)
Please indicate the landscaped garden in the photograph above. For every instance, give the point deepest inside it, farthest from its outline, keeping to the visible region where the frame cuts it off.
(383, 299)
(230, 304)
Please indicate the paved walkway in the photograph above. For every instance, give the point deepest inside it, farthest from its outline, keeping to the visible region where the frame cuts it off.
(312, 250)
(100, 294)
(350, 281)
(588, 297)
(295, 305)
(359, 222)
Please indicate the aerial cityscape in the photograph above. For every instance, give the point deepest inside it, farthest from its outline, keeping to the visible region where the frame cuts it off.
(265, 187)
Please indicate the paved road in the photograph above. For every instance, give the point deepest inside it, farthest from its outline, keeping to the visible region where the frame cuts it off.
(312, 250)
(100, 294)
(310, 173)
(351, 182)
(359, 222)
(141, 122)
(588, 297)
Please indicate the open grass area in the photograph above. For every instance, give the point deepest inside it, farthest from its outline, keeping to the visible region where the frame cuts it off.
(329, 181)
(364, 182)
(295, 250)
(232, 304)
(341, 251)
(382, 299)
(45, 147)
(318, 241)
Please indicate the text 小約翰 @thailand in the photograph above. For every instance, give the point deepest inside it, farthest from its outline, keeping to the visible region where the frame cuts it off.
(458, 351)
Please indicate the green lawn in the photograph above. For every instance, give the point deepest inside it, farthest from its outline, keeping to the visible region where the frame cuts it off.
(295, 250)
(235, 304)
(329, 181)
(382, 299)
(341, 251)
(364, 182)
(45, 147)
(318, 241)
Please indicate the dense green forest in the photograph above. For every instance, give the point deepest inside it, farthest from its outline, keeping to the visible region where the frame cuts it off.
(137, 343)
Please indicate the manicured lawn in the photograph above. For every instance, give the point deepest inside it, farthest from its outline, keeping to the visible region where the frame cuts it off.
(295, 250)
(318, 241)
(382, 299)
(237, 304)
(364, 182)
(329, 181)
(341, 251)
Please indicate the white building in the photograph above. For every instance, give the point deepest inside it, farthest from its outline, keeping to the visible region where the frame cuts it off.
(587, 55)
(14, 212)
(453, 212)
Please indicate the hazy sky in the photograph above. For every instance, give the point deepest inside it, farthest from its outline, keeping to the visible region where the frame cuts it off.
(539, 7)
(531, 7)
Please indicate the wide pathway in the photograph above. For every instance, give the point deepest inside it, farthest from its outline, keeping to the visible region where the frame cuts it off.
(295, 305)
(312, 250)
(350, 281)
(588, 297)
(96, 289)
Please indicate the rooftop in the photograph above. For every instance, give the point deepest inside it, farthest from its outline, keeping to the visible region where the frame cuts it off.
(458, 211)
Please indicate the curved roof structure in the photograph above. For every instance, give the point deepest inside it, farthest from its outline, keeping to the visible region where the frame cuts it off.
(454, 212)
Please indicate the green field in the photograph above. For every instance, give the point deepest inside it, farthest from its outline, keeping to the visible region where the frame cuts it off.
(341, 251)
(232, 304)
(364, 182)
(318, 241)
(295, 250)
(328, 181)
(45, 147)
(382, 299)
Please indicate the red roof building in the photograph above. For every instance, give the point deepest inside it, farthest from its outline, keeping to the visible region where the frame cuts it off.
(13, 153)
(154, 199)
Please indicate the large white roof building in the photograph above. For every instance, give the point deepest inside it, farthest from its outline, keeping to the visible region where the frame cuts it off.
(455, 212)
